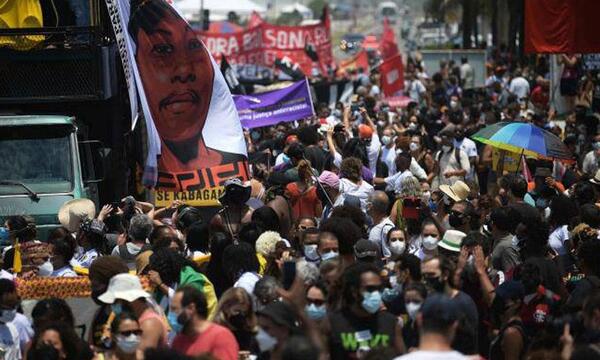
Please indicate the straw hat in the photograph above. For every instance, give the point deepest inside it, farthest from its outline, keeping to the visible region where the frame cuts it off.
(458, 191)
(73, 212)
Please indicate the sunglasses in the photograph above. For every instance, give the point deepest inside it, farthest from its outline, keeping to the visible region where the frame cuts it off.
(130, 332)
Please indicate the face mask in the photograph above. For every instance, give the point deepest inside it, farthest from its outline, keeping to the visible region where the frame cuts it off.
(371, 301)
(265, 341)
(397, 247)
(413, 126)
(7, 316)
(128, 344)
(426, 196)
(3, 234)
(435, 284)
(116, 308)
(389, 295)
(455, 221)
(381, 123)
(430, 242)
(315, 312)
(337, 113)
(385, 140)
(175, 326)
(446, 148)
(414, 146)
(412, 309)
(596, 145)
(453, 104)
(515, 241)
(255, 135)
(45, 269)
(238, 321)
(329, 256)
(310, 251)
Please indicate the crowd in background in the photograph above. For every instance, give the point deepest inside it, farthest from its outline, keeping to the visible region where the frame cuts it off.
(366, 232)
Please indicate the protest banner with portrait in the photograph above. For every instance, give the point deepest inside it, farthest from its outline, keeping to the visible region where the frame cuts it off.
(195, 140)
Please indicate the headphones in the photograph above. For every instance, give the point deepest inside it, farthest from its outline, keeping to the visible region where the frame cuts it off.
(186, 210)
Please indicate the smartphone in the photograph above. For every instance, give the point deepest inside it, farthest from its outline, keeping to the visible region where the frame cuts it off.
(289, 274)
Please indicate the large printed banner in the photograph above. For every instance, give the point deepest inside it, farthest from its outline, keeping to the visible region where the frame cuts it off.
(269, 108)
(265, 42)
(195, 140)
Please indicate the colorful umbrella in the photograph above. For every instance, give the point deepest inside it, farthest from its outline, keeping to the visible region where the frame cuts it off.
(523, 138)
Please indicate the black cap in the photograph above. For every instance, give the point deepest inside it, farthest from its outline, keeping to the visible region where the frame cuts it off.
(281, 314)
(441, 307)
(365, 249)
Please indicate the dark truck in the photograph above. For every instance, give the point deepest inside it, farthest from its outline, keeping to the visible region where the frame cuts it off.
(65, 123)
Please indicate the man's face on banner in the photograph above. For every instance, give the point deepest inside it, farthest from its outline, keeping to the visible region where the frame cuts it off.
(178, 78)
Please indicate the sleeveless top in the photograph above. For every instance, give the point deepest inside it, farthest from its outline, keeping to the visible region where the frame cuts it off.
(151, 314)
(496, 352)
(352, 336)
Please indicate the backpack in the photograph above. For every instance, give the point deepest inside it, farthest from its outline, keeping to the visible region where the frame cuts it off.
(456, 157)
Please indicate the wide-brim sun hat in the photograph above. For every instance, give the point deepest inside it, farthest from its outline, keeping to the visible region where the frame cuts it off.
(459, 191)
(124, 287)
(73, 212)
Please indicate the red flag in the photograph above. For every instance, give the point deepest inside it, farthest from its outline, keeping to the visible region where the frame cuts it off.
(254, 20)
(561, 26)
(392, 75)
(360, 60)
(525, 169)
(388, 46)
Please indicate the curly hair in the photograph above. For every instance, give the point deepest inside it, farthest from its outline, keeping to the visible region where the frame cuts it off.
(410, 186)
(238, 259)
(169, 263)
(354, 214)
(345, 231)
(305, 171)
(71, 345)
(50, 311)
(266, 243)
(352, 169)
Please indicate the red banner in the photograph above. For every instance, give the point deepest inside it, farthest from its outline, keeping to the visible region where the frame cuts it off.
(360, 60)
(561, 26)
(392, 75)
(263, 43)
(388, 46)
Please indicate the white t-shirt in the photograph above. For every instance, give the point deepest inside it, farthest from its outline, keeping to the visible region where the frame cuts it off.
(373, 151)
(9, 341)
(378, 235)
(388, 156)
(247, 282)
(468, 146)
(432, 355)
(65, 271)
(557, 239)
(394, 182)
(361, 191)
(520, 87)
(24, 329)
(414, 89)
(468, 75)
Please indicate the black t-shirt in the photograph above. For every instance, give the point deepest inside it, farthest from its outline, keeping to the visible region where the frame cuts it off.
(466, 337)
(350, 333)
(551, 277)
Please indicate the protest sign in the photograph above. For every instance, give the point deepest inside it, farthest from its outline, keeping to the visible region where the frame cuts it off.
(269, 108)
(265, 42)
(195, 141)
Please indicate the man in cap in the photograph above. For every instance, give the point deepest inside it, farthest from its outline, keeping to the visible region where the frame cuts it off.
(198, 335)
(367, 133)
(366, 251)
(438, 322)
(452, 164)
(328, 190)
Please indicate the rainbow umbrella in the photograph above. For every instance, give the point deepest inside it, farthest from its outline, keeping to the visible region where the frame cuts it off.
(523, 138)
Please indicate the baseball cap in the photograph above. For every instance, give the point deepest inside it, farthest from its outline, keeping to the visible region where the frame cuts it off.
(441, 307)
(281, 314)
(365, 248)
(364, 131)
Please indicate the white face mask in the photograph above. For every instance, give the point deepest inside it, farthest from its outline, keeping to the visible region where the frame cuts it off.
(45, 269)
(414, 146)
(397, 247)
(7, 316)
(386, 140)
(310, 251)
(446, 148)
(426, 196)
(329, 255)
(265, 341)
(412, 309)
(430, 242)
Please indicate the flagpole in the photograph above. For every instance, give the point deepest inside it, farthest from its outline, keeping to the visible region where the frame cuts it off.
(520, 159)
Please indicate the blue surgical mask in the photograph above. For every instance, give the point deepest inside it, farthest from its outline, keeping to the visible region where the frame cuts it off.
(173, 323)
(315, 312)
(310, 252)
(329, 255)
(128, 344)
(4, 233)
(371, 301)
(116, 308)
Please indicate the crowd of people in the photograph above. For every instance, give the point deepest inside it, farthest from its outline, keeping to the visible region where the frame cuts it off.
(367, 232)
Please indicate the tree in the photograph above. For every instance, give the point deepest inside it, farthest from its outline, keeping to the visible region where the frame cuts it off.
(317, 7)
(293, 18)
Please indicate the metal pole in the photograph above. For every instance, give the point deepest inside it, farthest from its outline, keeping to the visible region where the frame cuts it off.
(201, 17)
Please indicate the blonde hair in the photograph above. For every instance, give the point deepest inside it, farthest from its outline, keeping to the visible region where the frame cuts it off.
(410, 186)
(234, 296)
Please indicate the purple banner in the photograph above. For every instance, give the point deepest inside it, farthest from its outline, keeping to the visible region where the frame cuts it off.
(288, 104)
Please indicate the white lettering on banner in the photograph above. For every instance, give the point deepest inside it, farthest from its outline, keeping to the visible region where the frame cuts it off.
(392, 76)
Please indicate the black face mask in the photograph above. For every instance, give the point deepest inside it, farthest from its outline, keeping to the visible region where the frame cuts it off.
(435, 283)
(238, 321)
(455, 221)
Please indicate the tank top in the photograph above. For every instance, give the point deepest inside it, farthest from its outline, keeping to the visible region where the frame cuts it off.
(151, 314)
(496, 352)
(352, 336)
